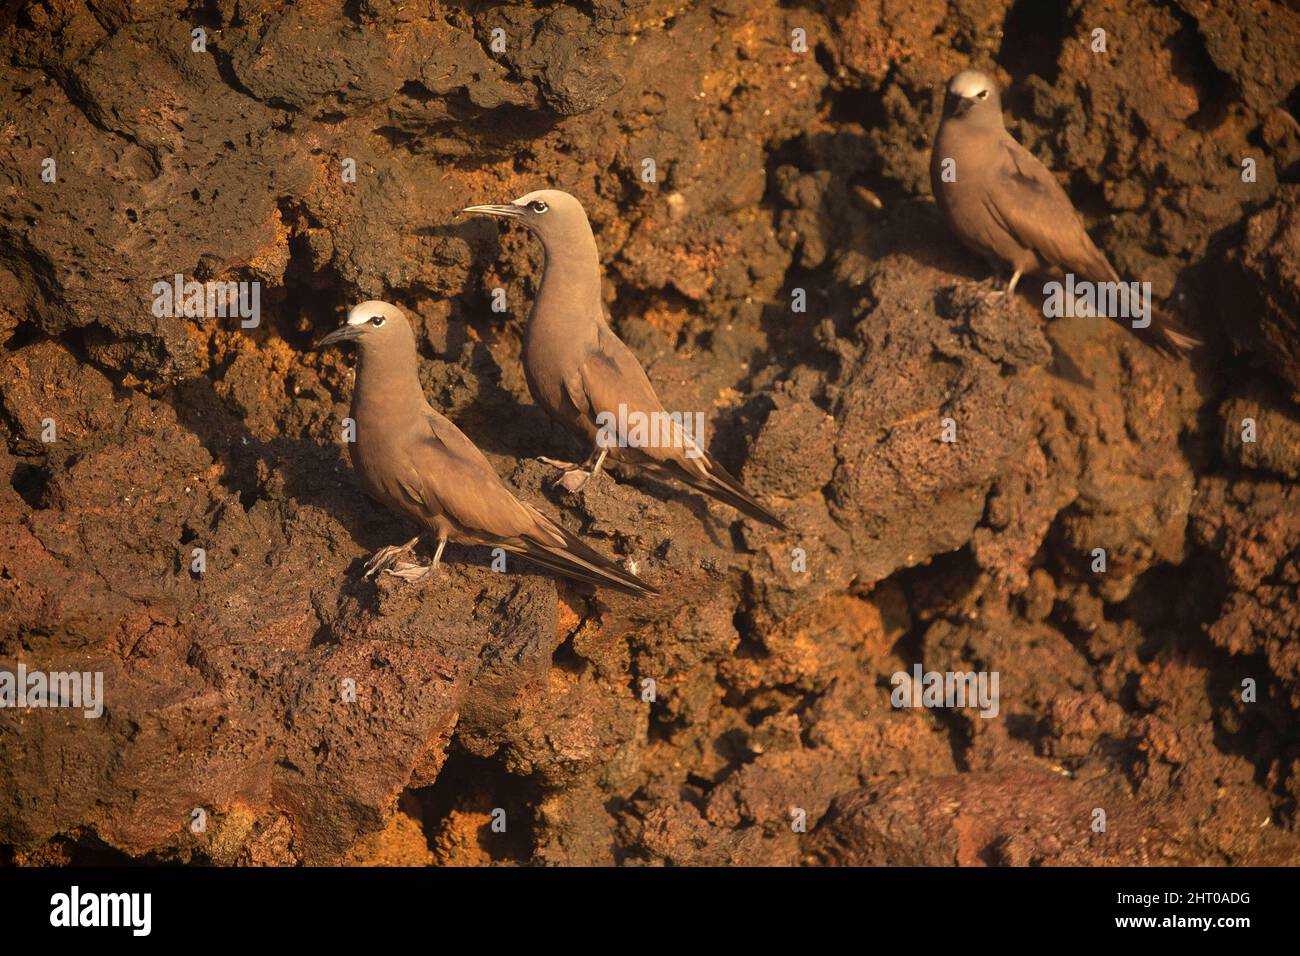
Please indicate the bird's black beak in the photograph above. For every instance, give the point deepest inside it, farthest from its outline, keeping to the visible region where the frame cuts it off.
(507, 211)
(345, 334)
(961, 105)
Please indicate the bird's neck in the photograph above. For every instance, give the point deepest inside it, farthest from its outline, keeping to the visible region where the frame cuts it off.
(386, 378)
(570, 280)
(991, 123)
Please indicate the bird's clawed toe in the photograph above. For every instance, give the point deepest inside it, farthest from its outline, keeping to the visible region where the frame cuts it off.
(378, 562)
(410, 572)
(574, 480)
(575, 476)
(994, 298)
(556, 463)
(386, 558)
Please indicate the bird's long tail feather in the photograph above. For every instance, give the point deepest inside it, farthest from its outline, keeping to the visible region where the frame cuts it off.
(578, 561)
(720, 484)
(1163, 332)
(1167, 336)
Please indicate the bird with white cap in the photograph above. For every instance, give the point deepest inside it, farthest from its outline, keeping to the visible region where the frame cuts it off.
(1005, 205)
(584, 376)
(416, 462)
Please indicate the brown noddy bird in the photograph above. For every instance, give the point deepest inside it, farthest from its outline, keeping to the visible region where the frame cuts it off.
(583, 375)
(1006, 206)
(420, 465)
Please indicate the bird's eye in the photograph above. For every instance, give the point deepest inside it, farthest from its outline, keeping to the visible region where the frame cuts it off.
(983, 94)
(376, 320)
(538, 206)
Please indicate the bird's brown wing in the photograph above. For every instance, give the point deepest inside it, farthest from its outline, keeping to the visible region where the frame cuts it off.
(610, 376)
(1027, 201)
(1033, 207)
(447, 474)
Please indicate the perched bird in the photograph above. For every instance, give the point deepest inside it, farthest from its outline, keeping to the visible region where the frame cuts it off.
(1005, 205)
(583, 375)
(419, 464)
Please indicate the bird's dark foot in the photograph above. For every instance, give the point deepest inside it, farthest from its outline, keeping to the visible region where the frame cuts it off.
(386, 558)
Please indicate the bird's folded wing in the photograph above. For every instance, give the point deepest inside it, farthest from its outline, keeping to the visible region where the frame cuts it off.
(1030, 204)
(611, 376)
(448, 475)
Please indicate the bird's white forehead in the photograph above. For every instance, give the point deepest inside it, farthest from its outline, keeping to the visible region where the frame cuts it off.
(549, 196)
(362, 313)
(969, 83)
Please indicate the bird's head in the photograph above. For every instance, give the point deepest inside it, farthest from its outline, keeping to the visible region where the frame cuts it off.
(370, 324)
(551, 213)
(974, 96)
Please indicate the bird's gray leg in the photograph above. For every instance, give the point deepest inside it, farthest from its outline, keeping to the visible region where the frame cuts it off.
(576, 479)
(437, 555)
(384, 558)
(1011, 289)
